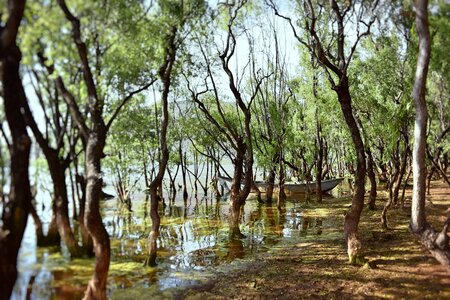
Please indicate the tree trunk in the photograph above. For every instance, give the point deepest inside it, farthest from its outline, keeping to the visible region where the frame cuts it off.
(391, 186)
(57, 173)
(270, 184)
(52, 238)
(86, 238)
(236, 199)
(255, 189)
(436, 242)
(183, 171)
(354, 248)
(418, 220)
(281, 179)
(404, 187)
(373, 181)
(16, 207)
(94, 152)
(319, 155)
(401, 174)
(154, 233)
(165, 74)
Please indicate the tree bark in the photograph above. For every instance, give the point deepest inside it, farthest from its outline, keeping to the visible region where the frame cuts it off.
(237, 196)
(373, 181)
(16, 207)
(436, 242)
(270, 184)
(94, 152)
(57, 172)
(354, 247)
(418, 220)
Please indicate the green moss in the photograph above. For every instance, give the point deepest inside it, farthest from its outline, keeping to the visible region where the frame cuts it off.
(357, 259)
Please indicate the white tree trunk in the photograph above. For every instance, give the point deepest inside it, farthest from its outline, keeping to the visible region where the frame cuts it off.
(418, 218)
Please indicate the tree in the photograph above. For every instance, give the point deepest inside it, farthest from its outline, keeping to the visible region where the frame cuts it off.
(234, 128)
(176, 14)
(331, 55)
(436, 242)
(94, 135)
(58, 161)
(16, 208)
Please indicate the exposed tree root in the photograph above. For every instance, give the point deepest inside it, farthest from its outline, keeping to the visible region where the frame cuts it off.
(436, 242)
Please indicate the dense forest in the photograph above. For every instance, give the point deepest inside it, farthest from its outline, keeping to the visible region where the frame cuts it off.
(228, 103)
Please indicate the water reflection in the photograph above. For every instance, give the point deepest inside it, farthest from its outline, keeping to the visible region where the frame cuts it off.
(193, 237)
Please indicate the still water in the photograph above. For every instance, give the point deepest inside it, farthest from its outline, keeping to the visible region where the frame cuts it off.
(193, 243)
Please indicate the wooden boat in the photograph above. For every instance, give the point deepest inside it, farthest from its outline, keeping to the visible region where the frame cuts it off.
(300, 187)
(290, 187)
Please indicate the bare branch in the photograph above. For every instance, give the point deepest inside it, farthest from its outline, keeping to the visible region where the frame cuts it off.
(73, 107)
(125, 101)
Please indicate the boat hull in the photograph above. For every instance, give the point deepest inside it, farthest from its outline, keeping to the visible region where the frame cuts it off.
(291, 187)
(326, 186)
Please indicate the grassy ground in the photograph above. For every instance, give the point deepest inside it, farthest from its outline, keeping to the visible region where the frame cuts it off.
(317, 267)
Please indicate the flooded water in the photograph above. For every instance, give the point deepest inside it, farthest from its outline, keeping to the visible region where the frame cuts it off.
(193, 243)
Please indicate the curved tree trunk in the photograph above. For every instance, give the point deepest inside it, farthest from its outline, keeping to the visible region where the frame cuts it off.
(94, 152)
(436, 242)
(165, 74)
(16, 207)
(237, 196)
(354, 247)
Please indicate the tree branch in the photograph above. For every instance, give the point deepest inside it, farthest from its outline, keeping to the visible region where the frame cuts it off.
(126, 99)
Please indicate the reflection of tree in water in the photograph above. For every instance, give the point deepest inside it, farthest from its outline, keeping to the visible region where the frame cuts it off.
(312, 223)
(191, 232)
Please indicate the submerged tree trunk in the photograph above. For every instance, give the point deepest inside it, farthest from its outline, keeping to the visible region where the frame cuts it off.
(281, 180)
(57, 167)
(52, 238)
(86, 238)
(62, 206)
(270, 185)
(16, 207)
(93, 220)
(165, 74)
(237, 196)
(271, 178)
(183, 171)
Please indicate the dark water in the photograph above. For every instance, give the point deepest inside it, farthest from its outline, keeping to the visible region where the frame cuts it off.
(193, 243)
